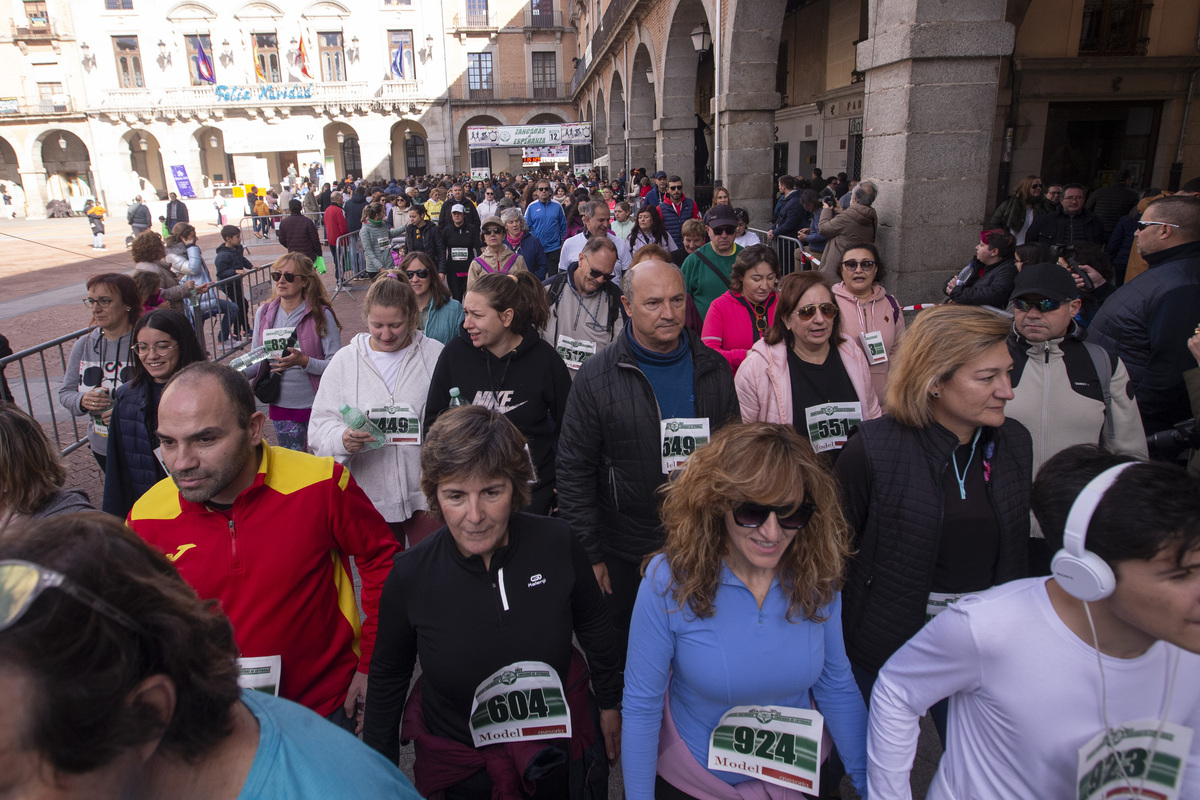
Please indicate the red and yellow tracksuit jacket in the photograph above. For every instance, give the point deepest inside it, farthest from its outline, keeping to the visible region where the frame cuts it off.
(279, 563)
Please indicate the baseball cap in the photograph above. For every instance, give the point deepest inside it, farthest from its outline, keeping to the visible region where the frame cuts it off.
(1045, 280)
(458, 208)
(659, 174)
(719, 215)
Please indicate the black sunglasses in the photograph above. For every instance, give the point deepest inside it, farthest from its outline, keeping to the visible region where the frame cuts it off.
(600, 276)
(290, 277)
(675, 188)
(866, 265)
(792, 518)
(417, 273)
(492, 231)
(725, 230)
(1044, 305)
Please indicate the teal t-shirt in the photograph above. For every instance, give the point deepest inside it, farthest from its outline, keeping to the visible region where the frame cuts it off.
(302, 756)
(701, 282)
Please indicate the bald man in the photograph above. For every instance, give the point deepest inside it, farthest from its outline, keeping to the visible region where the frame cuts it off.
(619, 436)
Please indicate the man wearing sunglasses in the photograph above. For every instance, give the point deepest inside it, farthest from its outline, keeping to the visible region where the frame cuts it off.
(1148, 321)
(585, 305)
(596, 217)
(546, 219)
(1066, 391)
(676, 209)
(706, 272)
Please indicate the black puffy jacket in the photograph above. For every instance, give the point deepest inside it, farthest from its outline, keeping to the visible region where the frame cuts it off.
(989, 285)
(610, 452)
(894, 508)
(132, 467)
(428, 240)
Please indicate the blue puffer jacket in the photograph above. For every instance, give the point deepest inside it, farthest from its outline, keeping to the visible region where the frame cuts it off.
(132, 467)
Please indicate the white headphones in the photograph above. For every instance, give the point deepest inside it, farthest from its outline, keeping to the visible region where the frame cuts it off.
(1080, 572)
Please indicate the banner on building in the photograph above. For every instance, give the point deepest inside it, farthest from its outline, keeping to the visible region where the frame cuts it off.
(535, 156)
(284, 138)
(484, 136)
(182, 182)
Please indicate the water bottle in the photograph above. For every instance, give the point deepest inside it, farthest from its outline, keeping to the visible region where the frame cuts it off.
(98, 414)
(194, 296)
(244, 362)
(456, 398)
(358, 421)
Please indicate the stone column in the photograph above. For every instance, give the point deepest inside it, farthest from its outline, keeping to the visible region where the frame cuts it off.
(33, 183)
(932, 71)
(747, 152)
(676, 142)
(376, 157)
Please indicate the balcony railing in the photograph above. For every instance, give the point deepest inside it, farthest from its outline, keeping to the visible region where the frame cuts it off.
(510, 91)
(608, 24)
(398, 90)
(478, 20)
(36, 29)
(534, 18)
(10, 107)
(188, 99)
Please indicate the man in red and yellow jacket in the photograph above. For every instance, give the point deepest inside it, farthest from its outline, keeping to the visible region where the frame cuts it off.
(268, 533)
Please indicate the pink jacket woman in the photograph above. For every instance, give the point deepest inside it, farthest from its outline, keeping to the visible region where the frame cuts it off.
(729, 327)
(764, 386)
(880, 313)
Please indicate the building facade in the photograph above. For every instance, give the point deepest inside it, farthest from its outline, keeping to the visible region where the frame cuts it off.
(127, 97)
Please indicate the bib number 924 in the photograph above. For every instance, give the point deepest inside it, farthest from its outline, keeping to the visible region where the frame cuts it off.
(679, 446)
(518, 705)
(767, 744)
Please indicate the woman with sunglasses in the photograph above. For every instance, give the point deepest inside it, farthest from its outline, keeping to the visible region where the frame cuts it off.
(740, 317)
(99, 363)
(804, 373)
(741, 607)
(489, 206)
(1023, 206)
(299, 305)
(650, 230)
(937, 491)
(164, 343)
(524, 243)
(32, 473)
(497, 257)
(441, 315)
(504, 363)
(384, 373)
(870, 317)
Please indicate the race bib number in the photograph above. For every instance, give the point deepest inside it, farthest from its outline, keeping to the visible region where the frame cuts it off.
(98, 427)
(459, 253)
(521, 702)
(1124, 767)
(829, 425)
(872, 343)
(383, 242)
(260, 674)
(400, 424)
(937, 602)
(680, 438)
(775, 744)
(575, 351)
(274, 340)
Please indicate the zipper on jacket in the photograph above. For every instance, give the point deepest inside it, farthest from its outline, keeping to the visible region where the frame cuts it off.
(235, 557)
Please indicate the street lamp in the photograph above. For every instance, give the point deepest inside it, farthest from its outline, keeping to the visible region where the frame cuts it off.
(650, 75)
(701, 38)
(164, 57)
(88, 60)
(62, 143)
(212, 142)
(143, 145)
(352, 53)
(341, 137)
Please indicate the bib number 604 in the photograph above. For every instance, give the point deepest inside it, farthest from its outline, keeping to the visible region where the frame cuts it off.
(518, 705)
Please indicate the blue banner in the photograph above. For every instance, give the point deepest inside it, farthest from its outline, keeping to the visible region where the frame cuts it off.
(181, 180)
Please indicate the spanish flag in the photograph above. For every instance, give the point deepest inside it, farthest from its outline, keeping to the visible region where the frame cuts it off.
(302, 59)
(258, 70)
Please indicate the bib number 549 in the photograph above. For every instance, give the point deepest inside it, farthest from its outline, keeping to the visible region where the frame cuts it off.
(679, 446)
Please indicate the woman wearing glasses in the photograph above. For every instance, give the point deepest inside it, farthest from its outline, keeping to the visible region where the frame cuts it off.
(523, 243)
(99, 363)
(489, 206)
(740, 317)
(870, 317)
(804, 372)
(299, 305)
(497, 257)
(740, 608)
(421, 236)
(937, 491)
(164, 343)
(384, 373)
(441, 315)
(1022, 207)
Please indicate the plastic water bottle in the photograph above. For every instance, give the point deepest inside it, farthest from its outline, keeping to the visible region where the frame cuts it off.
(244, 362)
(456, 398)
(358, 421)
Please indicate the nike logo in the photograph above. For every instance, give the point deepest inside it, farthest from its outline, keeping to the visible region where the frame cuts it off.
(500, 401)
(183, 548)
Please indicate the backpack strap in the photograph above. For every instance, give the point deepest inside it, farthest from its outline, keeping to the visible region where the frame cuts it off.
(510, 262)
(895, 307)
(713, 267)
(1104, 366)
(555, 290)
(486, 267)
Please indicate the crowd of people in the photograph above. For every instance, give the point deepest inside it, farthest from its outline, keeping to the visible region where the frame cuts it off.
(735, 523)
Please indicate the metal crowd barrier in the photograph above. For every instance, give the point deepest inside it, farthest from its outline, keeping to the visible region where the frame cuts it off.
(237, 298)
(250, 225)
(787, 247)
(35, 389)
(350, 263)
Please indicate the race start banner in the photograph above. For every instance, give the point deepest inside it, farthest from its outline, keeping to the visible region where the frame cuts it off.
(480, 137)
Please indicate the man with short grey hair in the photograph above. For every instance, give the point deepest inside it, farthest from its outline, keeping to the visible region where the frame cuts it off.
(585, 305)
(856, 224)
(595, 223)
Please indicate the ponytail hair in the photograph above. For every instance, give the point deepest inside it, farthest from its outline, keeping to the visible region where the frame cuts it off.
(392, 290)
(520, 291)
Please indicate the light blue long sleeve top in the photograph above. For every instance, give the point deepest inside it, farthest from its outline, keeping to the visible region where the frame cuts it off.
(741, 655)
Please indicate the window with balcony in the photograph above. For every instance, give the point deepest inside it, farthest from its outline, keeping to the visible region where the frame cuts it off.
(541, 13)
(333, 57)
(118, 5)
(400, 50)
(129, 62)
(266, 58)
(37, 16)
(414, 156)
(545, 75)
(1115, 28)
(477, 13)
(52, 97)
(480, 79)
(194, 44)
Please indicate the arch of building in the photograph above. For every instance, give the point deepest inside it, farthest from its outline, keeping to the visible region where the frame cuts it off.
(409, 149)
(600, 127)
(67, 167)
(676, 126)
(337, 150)
(10, 167)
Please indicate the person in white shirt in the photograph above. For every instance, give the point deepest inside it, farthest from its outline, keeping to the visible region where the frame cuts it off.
(1038, 670)
(595, 221)
(488, 206)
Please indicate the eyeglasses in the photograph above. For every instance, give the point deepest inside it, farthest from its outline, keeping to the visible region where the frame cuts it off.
(543, 188)
(290, 277)
(675, 188)
(1035, 186)
(865, 265)
(753, 515)
(1141, 226)
(492, 231)
(22, 582)
(488, 194)
(159, 348)
(810, 311)
(417, 273)
(725, 230)
(103, 302)
(600, 276)
(1044, 305)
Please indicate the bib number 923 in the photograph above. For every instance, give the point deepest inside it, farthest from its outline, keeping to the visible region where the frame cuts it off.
(1131, 762)
(517, 705)
(767, 744)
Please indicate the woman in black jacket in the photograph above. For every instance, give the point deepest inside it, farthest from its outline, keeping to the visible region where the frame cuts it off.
(936, 491)
(164, 343)
(421, 236)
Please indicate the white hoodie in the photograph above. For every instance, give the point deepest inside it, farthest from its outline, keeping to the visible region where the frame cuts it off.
(391, 475)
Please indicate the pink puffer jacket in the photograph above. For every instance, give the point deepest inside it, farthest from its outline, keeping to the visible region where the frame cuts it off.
(764, 386)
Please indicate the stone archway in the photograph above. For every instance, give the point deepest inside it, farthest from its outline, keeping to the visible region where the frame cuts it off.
(409, 149)
(496, 160)
(9, 166)
(678, 133)
(616, 127)
(68, 168)
(216, 166)
(600, 127)
(148, 177)
(341, 144)
(642, 112)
